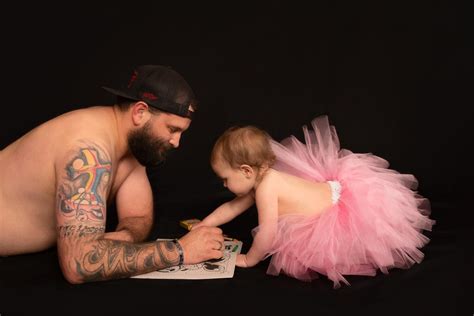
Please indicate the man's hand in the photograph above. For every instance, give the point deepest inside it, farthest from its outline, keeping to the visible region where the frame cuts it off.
(201, 244)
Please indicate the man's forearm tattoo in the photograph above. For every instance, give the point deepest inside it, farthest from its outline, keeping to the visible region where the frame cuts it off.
(81, 194)
(108, 259)
(101, 259)
(80, 230)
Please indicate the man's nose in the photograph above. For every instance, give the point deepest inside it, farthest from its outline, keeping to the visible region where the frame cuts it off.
(174, 141)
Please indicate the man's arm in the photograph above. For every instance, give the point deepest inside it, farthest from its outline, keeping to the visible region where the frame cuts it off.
(83, 180)
(134, 201)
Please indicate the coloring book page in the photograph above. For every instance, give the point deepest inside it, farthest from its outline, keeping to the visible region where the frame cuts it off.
(211, 269)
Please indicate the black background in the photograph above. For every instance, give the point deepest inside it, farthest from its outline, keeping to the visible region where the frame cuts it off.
(395, 79)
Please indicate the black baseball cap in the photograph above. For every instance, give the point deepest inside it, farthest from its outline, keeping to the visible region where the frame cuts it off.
(160, 87)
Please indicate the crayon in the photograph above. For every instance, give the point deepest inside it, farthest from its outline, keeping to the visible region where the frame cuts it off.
(188, 223)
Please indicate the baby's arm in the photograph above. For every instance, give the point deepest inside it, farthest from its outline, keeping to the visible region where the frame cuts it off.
(227, 211)
(267, 205)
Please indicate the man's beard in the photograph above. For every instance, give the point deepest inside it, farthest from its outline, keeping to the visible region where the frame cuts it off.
(148, 150)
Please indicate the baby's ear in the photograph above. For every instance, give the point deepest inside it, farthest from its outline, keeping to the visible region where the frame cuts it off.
(247, 170)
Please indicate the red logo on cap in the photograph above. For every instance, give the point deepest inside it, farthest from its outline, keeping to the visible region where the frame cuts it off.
(132, 78)
(149, 96)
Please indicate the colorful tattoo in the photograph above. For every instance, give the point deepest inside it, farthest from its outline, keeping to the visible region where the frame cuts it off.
(80, 194)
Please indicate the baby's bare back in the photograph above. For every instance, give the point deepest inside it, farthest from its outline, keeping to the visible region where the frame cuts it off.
(297, 195)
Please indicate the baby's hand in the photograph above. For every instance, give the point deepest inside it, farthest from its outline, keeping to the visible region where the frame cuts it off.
(241, 261)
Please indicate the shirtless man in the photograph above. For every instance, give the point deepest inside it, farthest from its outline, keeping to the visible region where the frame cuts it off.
(57, 180)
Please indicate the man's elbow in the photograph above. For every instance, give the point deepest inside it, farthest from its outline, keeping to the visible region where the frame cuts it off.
(72, 279)
(70, 269)
(72, 276)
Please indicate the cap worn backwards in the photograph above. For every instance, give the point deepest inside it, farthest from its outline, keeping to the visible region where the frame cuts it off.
(160, 87)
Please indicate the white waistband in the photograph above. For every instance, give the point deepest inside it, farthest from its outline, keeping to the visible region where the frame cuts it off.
(335, 191)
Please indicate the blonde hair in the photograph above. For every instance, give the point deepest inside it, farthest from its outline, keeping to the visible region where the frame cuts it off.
(244, 145)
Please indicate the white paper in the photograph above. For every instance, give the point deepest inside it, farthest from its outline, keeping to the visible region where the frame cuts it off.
(211, 269)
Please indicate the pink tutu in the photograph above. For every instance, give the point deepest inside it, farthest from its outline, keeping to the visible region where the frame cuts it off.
(375, 223)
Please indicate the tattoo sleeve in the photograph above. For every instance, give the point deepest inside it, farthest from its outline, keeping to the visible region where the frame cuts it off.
(96, 259)
(81, 211)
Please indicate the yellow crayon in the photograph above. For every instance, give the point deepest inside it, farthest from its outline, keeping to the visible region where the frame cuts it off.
(188, 223)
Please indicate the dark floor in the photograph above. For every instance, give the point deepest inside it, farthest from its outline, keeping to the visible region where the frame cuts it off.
(396, 79)
(31, 284)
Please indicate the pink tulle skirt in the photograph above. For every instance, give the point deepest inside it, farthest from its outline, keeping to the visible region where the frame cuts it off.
(375, 223)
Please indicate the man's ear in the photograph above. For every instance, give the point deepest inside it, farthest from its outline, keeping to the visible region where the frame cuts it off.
(140, 113)
(247, 170)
